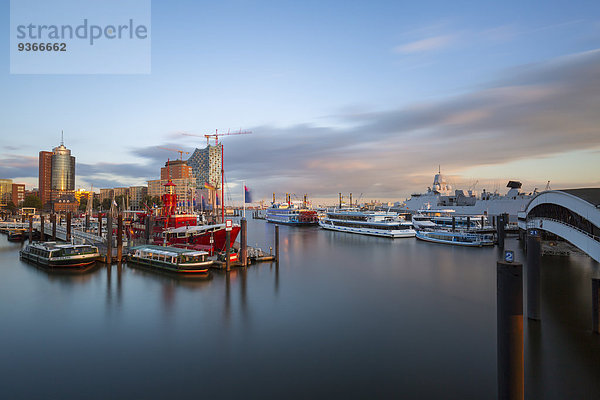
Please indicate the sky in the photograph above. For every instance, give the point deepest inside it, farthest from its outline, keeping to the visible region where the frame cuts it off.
(369, 97)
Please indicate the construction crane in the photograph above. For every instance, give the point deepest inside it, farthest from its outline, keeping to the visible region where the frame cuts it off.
(216, 136)
(181, 152)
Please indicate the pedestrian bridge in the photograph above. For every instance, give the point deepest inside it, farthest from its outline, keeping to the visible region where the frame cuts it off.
(572, 214)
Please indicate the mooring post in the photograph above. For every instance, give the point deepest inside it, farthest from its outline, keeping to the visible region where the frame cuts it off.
(227, 251)
(100, 224)
(68, 237)
(120, 237)
(534, 252)
(42, 235)
(482, 222)
(30, 228)
(244, 242)
(596, 305)
(87, 222)
(500, 230)
(53, 227)
(147, 229)
(22, 218)
(453, 224)
(109, 238)
(509, 298)
(277, 243)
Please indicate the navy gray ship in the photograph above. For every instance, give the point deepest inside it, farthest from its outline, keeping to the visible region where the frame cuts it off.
(441, 196)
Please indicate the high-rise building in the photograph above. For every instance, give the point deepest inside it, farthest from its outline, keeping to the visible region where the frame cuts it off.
(176, 169)
(206, 166)
(63, 172)
(45, 176)
(5, 191)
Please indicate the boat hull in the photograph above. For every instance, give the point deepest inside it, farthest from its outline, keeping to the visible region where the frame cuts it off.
(196, 269)
(450, 241)
(80, 262)
(405, 233)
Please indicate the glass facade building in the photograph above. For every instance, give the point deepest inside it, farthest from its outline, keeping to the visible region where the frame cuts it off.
(63, 169)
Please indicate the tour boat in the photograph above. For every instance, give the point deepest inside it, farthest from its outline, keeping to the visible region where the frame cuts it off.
(51, 254)
(291, 213)
(171, 259)
(447, 218)
(375, 223)
(456, 238)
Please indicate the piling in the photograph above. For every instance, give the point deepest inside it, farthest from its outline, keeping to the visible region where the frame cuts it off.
(244, 242)
(277, 243)
(119, 237)
(534, 252)
(42, 235)
(453, 224)
(468, 223)
(596, 305)
(227, 250)
(509, 297)
(494, 221)
(22, 218)
(87, 222)
(340, 201)
(53, 218)
(100, 224)
(482, 222)
(350, 199)
(109, 238)
(30, 228)
(68, 237)
(500, 230)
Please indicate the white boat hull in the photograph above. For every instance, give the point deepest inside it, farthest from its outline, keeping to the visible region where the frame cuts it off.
(404, 233)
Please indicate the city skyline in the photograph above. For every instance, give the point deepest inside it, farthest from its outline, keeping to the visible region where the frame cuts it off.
(343, 98)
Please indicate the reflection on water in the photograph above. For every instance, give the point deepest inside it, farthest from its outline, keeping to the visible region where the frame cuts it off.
(341, 316)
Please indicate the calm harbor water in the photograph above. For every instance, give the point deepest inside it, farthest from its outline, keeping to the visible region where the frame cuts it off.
(343, 316)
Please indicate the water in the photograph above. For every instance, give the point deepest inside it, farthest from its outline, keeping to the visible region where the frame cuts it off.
(344, 316)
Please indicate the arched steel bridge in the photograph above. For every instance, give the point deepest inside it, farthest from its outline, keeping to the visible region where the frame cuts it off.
(572, 214)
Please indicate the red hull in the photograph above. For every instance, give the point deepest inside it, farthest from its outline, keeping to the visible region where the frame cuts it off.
(203, 239)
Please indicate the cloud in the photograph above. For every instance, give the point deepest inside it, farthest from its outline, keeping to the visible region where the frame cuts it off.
(530, 112)
(533, 111)
(424, 45)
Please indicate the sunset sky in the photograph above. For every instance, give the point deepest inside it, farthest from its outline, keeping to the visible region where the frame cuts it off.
(341, 96)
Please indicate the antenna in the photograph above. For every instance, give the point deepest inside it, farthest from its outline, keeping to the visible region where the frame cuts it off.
(62, 137)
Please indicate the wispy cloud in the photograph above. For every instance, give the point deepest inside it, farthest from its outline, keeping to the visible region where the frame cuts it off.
(535, 111)
(424, 45)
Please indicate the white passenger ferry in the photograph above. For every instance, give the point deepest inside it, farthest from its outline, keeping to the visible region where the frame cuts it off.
(456, 238)
(447, 218)
(375, 223)
(291, 213)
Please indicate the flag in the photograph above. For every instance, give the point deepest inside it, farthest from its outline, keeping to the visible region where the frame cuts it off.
(208, 186)
(247, 195)
(218, 200)
(203, 203)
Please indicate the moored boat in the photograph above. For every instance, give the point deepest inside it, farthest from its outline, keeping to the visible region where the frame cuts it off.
(374, 223)
(455, 238)
(171, 259)
(17, 235)
(51, 254)
(291, 213)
